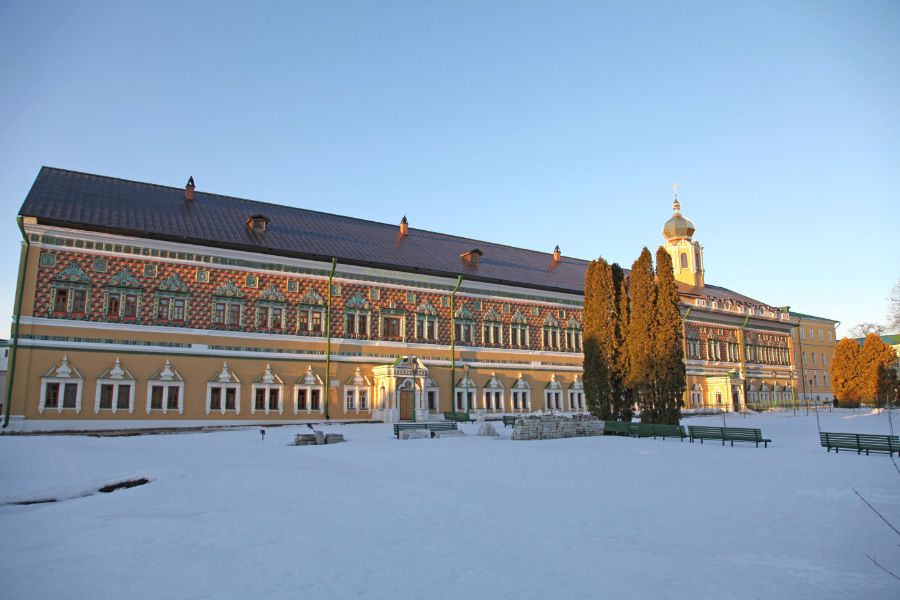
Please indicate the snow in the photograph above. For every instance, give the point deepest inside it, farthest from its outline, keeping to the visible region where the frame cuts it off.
(229, 515)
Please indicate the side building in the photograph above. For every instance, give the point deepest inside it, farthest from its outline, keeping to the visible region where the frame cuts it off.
(152, 306)
(814, 340)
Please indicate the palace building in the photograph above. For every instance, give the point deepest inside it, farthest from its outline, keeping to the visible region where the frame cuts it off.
(142, 305)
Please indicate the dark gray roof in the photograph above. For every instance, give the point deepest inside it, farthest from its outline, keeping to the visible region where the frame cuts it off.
(96, 203)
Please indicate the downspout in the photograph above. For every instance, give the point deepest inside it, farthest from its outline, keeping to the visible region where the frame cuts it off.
(684, 354)
(20, 291)
(743, 361)
(328, 340)
(800, 361)
(453, 346)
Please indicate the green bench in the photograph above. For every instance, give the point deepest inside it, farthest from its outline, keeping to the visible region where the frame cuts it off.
(458, 417)
(860, 442)
(509, 421)
(653, 430)
(728, 434)
(431, 427)
(617, 428)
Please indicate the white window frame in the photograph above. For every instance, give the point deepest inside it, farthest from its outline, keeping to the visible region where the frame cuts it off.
(165, 385)
(460, 390)
(426, 320)
(576, 400)
(522, 328)
(310, 310)
(225, 379)
(308, 383)
(62, 377)
(268, 387)
(381, 328)
(115, 397)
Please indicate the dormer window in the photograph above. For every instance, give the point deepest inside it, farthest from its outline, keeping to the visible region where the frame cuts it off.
(473, 257)
(258, 222)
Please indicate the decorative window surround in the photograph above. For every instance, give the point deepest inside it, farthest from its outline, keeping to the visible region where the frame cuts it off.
(271, 387)
(63, 377)
(426, 322)
(521, 395)
(459, 394)
(431, 394)
(70, 293)
(553, 394)
(358, 393)
(551, 333)
(167, 378)
(270, 309)
(227, 386)
(392, 324)
(493, 395)
(576, 396)
(115, 378)
(492, 328)
(311, 314)
(227, 305)
(309, 393)
(696, 395)
(356, 317)
(574, 335)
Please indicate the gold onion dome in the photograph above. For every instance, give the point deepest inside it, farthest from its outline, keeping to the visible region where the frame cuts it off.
(678, 227)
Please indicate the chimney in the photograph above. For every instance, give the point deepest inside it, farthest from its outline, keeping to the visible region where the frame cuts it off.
(556, 254)
(189, 189)
(404, 226)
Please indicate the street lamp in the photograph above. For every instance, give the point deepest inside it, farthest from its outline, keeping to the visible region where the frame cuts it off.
(415, 370)
(466, 370)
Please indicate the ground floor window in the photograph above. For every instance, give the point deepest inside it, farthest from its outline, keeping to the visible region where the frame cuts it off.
(493, 400)
(461, 399)
(222, 398)
(521, 400)
(576, 400)
(553, 400)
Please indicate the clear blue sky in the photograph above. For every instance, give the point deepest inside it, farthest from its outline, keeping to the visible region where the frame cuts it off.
(525, 123)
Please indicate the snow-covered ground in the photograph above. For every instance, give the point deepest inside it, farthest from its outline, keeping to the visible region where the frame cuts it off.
(228, 515)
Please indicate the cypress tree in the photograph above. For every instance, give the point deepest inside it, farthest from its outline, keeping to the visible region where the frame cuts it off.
(623, 397)
(597, 388)
(639, 343)
(670, 372)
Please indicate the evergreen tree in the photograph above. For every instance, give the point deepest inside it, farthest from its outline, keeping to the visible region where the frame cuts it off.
(845, 379)
(874, 354)
(623, 396)
(639, 342)
(668, 338)
(597, 390)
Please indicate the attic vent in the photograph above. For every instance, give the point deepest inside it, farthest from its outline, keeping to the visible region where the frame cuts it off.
(473, 256)
(257, 222)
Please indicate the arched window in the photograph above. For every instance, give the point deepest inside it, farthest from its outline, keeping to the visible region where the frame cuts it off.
(684, 260)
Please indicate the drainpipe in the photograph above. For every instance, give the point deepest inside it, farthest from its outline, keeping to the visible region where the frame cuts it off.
(15, 338)
(800, 361)
(328, 340)
(743, 362)
(453, 345)
(684, 353)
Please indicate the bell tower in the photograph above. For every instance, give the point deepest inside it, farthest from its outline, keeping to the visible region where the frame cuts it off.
(687, 255)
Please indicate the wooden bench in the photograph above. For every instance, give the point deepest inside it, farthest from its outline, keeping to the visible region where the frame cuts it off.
(431, 427)
(860, 442)
(617, 428)
(509, 421)
(728, 434)
(634, 429)
(665, 431)
(458, 417)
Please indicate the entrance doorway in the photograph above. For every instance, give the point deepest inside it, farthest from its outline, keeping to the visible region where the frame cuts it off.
(736, 400)
(407, 405)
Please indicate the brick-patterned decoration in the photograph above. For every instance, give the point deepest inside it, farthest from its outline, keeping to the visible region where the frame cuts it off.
(704, 333)
(149, 282)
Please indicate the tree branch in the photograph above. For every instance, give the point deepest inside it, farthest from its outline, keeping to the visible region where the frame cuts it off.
(872, 558)
(877, 513)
